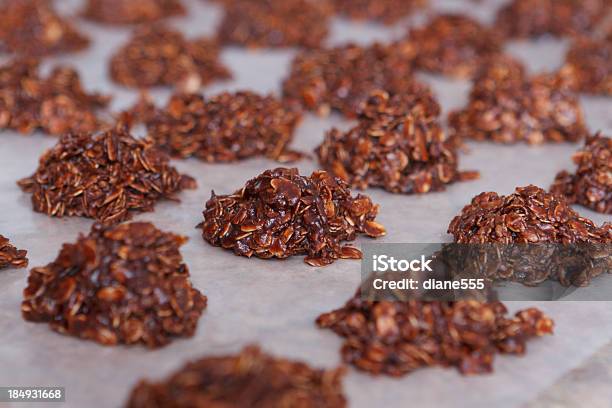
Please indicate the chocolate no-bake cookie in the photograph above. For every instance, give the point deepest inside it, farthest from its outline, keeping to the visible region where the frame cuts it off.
(341, 78)
(386, 11)
(226, 127)
(11, 257)
(275, 23)
(121, 284)
(508, 106)
(250, 378)
(157, 55)
(281, 213)
(529, 215)
(131, 11)
(33, 28)
(588, 66)
(56, 104)
(453, 44)
(398, 145)
(396, 338)
(591, 184)
(534, 18)
(105, 176)
(529, 236)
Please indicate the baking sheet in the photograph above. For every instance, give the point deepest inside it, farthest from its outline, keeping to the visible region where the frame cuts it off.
(274, 303)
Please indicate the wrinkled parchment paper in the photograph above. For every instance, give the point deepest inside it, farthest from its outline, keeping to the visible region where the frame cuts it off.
(274, 303)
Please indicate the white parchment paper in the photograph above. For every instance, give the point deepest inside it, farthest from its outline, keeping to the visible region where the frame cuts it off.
(275, 303)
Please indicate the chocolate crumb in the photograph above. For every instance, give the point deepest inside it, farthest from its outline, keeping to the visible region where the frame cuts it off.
(225, 128)
(341, 78)
(132, 12)
(397, 338)
(398, 145)
(33, 28)
(507, 106)
(385, 11)
(123, 284)
(11, 257)
(159, 56)
(248, 379)
(591, 185)
(56, 104)
(280, 214)
(105, 176)
(454, 45)
(534, 18)
(275, 23)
